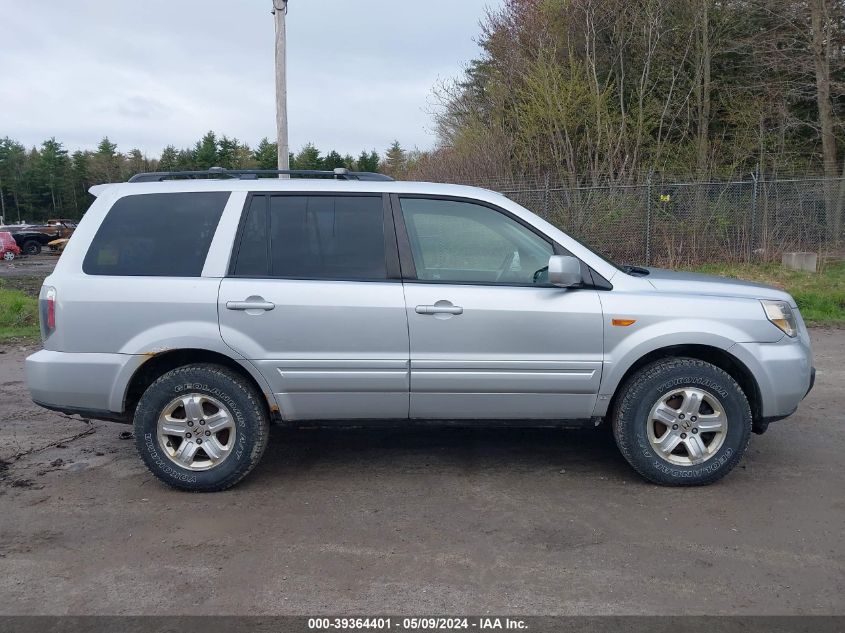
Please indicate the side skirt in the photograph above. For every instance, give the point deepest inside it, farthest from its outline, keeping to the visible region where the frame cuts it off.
(420, 423)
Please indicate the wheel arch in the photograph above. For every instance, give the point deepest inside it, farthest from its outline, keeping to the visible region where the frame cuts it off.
(721, 358)
(161, 363)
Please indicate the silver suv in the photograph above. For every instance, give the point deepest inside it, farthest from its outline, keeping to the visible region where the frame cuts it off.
(202, 310)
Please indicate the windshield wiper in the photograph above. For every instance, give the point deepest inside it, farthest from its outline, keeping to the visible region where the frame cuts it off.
(637, 271)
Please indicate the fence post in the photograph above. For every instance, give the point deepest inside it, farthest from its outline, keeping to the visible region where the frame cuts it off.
(546, 199)
(648, 222)
(754, 178)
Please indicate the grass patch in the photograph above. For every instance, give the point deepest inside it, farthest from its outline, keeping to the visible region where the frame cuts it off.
(18, 315)
(820, 296)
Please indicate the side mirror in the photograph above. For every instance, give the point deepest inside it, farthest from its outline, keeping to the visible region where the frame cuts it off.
(564, 271)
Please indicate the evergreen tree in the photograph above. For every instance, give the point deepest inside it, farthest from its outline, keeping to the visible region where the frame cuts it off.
(333, 160)
(46, 182)
(228, 152)
(107, 162)
(368, 161)
(308, 158)
(169, 160)
(12, 162)
(137, 162)
(51, 169)
(266, 155)
(185, 161)
(396, 160)
(80, 181)
(206, 153)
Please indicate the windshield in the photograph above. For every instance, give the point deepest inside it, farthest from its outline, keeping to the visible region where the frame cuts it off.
(600, 255)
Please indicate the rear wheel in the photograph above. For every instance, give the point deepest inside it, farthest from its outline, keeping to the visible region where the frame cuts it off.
(201, 428)
(8, 256)
(31, 247)
(682, 422)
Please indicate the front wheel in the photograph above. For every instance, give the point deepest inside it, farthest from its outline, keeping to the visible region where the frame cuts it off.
(9, 256)
(682, 422)
(201, 428)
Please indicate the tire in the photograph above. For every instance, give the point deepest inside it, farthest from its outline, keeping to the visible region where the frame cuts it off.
(214, 389)
(31, 247)
(644, 426)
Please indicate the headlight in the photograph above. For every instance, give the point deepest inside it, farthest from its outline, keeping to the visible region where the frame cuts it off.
(780, 313)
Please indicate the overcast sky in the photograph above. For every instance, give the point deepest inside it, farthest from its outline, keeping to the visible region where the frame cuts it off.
(153, 72)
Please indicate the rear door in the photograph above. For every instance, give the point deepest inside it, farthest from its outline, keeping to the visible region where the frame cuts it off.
(314, 298)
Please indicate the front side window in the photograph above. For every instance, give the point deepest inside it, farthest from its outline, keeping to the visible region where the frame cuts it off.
(453, 241)
(156, 234)
(313, 237)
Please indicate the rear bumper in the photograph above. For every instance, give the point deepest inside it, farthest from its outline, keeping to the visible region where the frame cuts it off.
(92, 384)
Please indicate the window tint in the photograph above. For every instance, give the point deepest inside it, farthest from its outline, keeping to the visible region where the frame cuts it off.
(253, 254)
(317, 237)
(327, 237)
(157, 234)
(465, 242)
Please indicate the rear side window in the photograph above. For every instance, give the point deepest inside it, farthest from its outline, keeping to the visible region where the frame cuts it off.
(313, 237)
(253, 255)
(156, 234)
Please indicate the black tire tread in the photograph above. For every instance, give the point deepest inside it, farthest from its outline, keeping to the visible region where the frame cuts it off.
(630, 396)
(257, 409)
(31, 245)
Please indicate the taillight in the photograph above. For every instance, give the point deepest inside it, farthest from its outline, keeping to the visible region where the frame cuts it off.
(47, 311)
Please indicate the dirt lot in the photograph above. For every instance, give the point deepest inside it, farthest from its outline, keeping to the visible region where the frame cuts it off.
(421, 521)
(32, 265)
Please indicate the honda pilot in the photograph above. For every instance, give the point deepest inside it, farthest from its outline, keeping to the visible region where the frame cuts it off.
(204, 308)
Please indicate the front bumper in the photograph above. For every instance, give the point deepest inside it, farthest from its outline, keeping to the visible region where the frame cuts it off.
(77, 382)
(783, 371)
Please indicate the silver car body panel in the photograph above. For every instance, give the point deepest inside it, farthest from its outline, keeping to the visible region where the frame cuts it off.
(329, 349)
(91, 381)
(361, 350)
(682, 283)
(111, 325)
(666, 319)
(513, 352)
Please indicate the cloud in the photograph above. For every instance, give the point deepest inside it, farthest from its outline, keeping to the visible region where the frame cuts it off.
(159, 72)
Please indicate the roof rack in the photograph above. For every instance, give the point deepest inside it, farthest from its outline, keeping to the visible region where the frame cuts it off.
(251, 174)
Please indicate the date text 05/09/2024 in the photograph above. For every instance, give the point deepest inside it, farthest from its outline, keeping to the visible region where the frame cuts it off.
(417, 624)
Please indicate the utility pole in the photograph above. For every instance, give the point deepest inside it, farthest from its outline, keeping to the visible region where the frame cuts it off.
(280, 9)
(2, 204)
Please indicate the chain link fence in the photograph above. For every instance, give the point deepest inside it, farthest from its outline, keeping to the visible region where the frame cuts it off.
(686, 223)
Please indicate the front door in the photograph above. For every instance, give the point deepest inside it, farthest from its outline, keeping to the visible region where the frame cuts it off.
(490, 339)
(314, 299)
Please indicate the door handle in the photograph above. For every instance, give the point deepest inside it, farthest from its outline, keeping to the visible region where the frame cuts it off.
(250, 304)
(439, 309)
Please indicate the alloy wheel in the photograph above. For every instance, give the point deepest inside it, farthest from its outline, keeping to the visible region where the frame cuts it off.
(687, 426)
(196, 431)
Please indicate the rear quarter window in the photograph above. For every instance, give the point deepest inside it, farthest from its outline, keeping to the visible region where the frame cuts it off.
(156, 234)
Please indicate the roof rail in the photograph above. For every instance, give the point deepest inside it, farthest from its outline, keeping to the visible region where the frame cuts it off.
(250, 174)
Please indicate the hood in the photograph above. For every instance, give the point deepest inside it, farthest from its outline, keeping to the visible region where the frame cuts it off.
(696, 283)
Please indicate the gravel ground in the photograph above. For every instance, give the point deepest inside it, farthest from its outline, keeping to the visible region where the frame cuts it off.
(31, 266)
(416, 521)
(27, 273)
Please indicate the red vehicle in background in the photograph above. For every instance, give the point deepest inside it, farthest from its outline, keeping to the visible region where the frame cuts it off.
(9, 249)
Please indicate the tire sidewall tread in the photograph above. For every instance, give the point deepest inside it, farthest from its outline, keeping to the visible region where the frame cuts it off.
(638, 395)
(243, 402)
